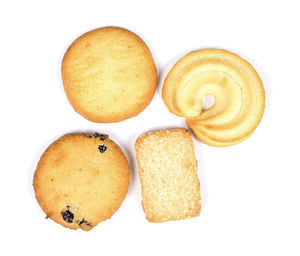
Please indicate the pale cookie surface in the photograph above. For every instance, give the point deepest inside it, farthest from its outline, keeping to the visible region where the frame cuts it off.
(168, 174)
(233, 82)
(81, 179)
(109, 75)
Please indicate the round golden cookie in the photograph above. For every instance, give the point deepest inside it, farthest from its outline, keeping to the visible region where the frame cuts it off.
(109, 75)
(81, 179)
(232, 81)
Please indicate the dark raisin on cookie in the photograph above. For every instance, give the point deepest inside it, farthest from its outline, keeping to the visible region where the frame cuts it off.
(67, 215)
(102, 136)
(83, 221)
(102, 148)
(99, 135)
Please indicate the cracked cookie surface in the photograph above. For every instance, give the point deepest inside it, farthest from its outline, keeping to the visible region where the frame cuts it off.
(78, 185)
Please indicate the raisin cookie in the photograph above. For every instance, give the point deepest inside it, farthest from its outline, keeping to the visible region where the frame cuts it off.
(232, 81)
(109, 75)
(81, 180)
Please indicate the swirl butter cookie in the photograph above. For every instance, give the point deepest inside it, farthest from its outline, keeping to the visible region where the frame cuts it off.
(81, 180)
(109, 75)
(232, 81)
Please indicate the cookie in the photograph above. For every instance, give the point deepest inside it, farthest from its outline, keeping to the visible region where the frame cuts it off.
(232, 81)
(81, 179)
(168, 175)
(109, 75)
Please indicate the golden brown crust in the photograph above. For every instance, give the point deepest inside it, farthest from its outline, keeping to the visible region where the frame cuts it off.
(74, 177)
(168, 174)
(109, 75)
(234, 83)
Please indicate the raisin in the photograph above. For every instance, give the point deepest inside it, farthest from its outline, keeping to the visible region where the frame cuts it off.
(67, 216)
(102, 136)
(102, 148)
(83, 221)
(99, 135)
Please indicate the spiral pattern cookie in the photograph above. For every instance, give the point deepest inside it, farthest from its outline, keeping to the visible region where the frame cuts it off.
(109, 75)
(81, 179)
(232, 81)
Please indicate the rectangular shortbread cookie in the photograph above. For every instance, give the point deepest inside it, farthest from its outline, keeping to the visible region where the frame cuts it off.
(168, 174)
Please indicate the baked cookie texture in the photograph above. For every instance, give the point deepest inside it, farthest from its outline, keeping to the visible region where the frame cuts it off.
(81, 180)
(237, 89)
(109, 75)
(168, 175)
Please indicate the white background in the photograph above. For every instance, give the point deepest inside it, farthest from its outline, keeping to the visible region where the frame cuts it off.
(250, 191)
